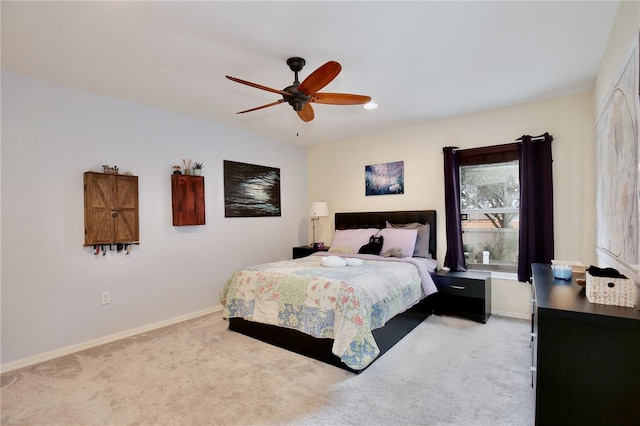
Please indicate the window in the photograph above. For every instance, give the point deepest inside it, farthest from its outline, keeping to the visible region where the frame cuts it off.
(489, 206)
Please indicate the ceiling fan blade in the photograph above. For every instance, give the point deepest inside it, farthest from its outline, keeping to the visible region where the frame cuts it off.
(258, 86)
(339, 99)
(307, 113)
(279, 101)
(320, 78)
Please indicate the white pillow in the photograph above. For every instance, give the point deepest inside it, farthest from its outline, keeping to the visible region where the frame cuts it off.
(353, 261)
(352, 238)
(401, 238)
(333, 261)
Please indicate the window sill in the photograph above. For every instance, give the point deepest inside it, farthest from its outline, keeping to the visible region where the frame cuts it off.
(502, 275)
(508, 276)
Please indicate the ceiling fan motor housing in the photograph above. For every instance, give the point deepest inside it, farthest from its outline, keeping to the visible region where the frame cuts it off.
(297, 103)
(297, 98)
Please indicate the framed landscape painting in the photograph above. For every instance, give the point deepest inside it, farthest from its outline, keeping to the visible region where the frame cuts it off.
(251, 190)
(385, 178)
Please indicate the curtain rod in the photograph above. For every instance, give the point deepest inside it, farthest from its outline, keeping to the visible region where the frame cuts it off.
(533, 139)
(519, 140)
(536, 138)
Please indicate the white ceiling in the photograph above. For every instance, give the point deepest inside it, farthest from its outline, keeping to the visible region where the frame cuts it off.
(420, 61)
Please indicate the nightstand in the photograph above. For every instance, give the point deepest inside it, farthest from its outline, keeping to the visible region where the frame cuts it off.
(466, 294)
(304, 251)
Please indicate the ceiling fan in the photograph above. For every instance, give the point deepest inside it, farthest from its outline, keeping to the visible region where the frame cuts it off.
(300, 95)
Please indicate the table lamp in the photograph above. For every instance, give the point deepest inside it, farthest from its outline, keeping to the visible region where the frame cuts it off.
(318, 209)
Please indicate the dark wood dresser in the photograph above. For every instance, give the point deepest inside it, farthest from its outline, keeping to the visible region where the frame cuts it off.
(585, 357)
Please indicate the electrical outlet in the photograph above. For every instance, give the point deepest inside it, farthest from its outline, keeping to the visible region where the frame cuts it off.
(106, 297)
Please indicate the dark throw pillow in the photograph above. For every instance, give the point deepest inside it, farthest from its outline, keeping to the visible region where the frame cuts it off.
(374, 246)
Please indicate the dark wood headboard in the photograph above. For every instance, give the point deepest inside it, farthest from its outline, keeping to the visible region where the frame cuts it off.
(379, 220)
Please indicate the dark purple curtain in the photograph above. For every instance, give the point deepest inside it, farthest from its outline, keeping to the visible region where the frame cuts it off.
(454, 259)
(536, 204)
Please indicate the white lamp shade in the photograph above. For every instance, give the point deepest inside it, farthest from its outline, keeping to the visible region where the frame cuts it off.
(319, 209)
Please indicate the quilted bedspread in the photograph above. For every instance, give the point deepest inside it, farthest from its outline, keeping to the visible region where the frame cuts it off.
(343, 303)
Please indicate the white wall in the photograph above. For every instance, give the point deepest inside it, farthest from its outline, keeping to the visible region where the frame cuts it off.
(336, 174)
(51, 285)
(336, 171)
(625, 29)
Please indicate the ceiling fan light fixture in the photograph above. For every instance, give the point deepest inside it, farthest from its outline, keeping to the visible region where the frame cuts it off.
(370, 105)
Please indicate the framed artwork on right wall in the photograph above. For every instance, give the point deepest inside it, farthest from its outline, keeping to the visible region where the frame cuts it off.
(617, 161)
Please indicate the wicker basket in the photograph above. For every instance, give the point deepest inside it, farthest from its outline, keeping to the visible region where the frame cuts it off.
(611, 291)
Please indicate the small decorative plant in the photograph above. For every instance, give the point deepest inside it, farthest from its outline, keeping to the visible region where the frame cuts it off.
(197, 169)
(110, 170)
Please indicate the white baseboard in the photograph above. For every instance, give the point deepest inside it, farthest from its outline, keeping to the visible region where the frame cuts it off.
(25, 362)
(509, 314)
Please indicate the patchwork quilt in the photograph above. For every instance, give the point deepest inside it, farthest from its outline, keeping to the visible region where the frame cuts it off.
(341, 303)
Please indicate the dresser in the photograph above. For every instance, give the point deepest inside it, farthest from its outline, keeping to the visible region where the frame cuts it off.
(585, 357)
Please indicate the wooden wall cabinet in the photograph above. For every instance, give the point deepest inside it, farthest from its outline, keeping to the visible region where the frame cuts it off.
(187, 197)
(110, 209)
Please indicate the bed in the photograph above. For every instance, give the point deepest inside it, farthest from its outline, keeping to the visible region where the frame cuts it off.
(379, 299)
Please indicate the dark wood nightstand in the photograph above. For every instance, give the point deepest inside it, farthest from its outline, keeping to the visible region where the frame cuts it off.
(466, 294)
(304, 251)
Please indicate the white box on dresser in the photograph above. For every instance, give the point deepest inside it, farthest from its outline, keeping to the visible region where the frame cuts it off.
(611, 291)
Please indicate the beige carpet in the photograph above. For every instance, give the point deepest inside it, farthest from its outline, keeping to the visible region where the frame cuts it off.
(448, 371)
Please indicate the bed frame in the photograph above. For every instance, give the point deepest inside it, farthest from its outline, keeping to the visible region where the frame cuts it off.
(386, 337)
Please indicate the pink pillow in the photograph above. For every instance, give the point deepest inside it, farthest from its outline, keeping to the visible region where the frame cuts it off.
(404, 239)
(353, 238)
